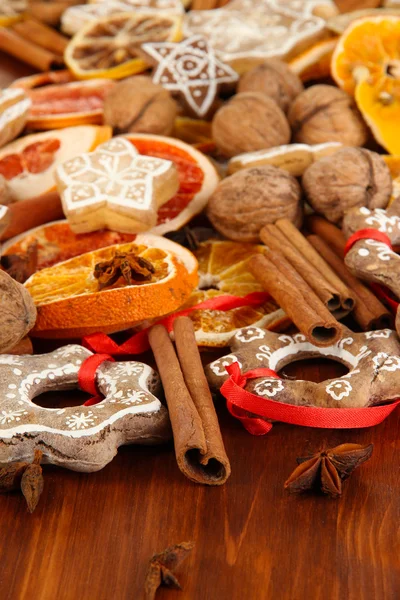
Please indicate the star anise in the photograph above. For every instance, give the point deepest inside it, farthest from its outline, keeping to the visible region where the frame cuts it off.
(134, 269)
(25, 476)
(161, 567)
(326, 470)
(21, 266)
(192, 237)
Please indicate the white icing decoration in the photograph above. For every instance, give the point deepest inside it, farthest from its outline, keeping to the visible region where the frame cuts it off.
(390, 363)
(363, 252)
(269, 387)
(191, 69)
(339, 389)
(383, 333)
(218, 366)
(249, 334)
(81, 420)
(383, 251)
(381, 221)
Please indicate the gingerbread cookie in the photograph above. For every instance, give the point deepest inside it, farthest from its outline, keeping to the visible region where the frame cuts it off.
(373, 360)
(370, 259)
(262, 29)
(83, 438)
(115, 188)
(14, 110)
(191, 70)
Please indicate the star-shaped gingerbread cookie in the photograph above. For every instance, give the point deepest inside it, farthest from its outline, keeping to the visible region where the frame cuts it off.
(115, 187)
(190, 70)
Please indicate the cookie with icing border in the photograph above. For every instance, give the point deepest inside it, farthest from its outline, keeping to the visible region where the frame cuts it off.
(373, 360)
(369, 259)
(190, 70)
(81, 438)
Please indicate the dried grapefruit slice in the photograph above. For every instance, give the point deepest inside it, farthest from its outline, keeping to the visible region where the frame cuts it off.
(223, 270)
(71, 303)
(28, 164)
(197, 175)
(68, 104)
(110, 47)
(366, 63)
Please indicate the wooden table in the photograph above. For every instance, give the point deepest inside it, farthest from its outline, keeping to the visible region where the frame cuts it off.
(92, 535)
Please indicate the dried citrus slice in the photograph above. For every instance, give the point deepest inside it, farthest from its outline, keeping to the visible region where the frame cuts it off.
(11, 11)
(71, 302)
(76, 17)
(223, 269)
(62, 105)
(198, 178)
(28, 163)
(314, 63)
(110, 47)
(192, 131)
(366, 63)
(56, 242)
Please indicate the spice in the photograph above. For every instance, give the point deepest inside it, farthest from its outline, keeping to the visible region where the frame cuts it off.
(26, 476)
(17, 312)
(133, 269)
(161, 567)
(21, 266)
(326, 470)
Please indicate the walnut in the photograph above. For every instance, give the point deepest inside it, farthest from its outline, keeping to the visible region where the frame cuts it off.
(248, 122)
(17, 312)
(274, 79)
(323, 113)
(352, 177)
(138, 105)
(251, 198)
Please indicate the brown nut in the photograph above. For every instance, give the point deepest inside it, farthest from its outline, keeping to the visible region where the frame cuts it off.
(138, 105)
(251, 198)
(323, 113)
(352, 177)
(248, 122)
(17, 312)
(274, 79)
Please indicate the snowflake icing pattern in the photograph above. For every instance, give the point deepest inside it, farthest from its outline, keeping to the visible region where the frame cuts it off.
(81, 420)
(10, 416)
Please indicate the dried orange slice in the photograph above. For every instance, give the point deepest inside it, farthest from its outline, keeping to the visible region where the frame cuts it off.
(197, 175)
(223, 269)
(366, 63)
(56, 242)
(28, 164)
(314, 63)
(11, 11)
(62, 105)
(192, 131)
(110, 47)
(71, 303)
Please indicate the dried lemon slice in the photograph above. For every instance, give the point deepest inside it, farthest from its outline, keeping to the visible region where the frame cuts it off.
(109, 47)
(11, 11)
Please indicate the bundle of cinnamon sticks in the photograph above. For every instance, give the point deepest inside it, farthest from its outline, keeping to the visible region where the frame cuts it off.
(34, 43)
(311, 283)
(199, 447)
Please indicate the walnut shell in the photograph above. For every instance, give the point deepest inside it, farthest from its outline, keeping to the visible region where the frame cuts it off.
(352, 177)
(248, 122)
(139, 105)
(274, 79)
(323, 113)
(17, 312)
(251, 198)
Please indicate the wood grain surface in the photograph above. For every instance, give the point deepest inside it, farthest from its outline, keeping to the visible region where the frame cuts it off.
(92, 535)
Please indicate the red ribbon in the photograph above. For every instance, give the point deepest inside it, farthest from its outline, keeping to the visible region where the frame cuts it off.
(87, 376)
(373, 234)
(138, 343)
(241, 402)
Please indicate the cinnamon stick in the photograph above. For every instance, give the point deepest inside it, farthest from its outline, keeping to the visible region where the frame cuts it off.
(26, 214)
(296, 298)
(334, 294)
(30, 53)
(50, 11)
(328, 232)
(199, 448)
(368, 311)
(41, 35)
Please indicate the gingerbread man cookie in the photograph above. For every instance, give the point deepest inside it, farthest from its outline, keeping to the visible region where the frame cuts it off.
(373, 360)
(371, 259)
(115, 187)
(83, 438)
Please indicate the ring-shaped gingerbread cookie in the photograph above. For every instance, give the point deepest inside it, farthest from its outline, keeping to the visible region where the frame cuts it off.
(370, 259)
(373, 360)
(81, 438)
